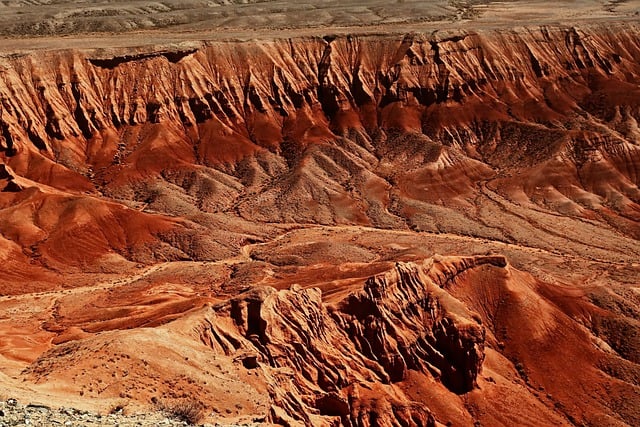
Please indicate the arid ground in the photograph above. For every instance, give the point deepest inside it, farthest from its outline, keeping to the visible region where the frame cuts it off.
(322, 213)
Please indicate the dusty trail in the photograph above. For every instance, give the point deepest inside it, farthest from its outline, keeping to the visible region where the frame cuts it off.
(451, 236)
(103, 285)
(244, 255)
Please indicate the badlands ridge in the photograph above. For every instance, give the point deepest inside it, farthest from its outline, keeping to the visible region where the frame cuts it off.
(430, 229)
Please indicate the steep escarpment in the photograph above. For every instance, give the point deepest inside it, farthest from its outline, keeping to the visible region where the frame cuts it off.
(359, 130)
(264, 91)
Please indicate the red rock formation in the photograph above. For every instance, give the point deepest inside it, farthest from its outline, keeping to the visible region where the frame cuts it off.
(397, 349)
(397, 322)
(314, 130)
(523, 141)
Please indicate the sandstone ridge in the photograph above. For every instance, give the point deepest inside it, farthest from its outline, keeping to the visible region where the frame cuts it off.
(321, 361)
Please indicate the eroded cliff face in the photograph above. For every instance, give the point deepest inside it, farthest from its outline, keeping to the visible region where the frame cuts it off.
(457, 340)
(373, 131)
(59, 95)
(216, 176)
(341, 363)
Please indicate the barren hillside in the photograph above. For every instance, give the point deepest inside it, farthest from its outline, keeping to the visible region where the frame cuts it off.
(435, 228)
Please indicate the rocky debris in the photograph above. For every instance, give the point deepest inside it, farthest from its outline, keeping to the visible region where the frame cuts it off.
(14, 413)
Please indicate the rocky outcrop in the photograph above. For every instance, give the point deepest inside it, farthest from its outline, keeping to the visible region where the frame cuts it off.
(399, 321)
(380, 318)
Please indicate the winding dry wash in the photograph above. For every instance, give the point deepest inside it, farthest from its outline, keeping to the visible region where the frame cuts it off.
(322, 213)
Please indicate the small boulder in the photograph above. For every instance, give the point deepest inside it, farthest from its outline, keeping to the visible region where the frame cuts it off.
(250, 362)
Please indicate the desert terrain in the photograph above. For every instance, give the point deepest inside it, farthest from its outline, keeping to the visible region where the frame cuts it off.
(320, 213)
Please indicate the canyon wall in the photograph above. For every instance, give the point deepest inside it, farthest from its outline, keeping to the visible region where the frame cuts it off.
(255, 225)
(376, 131)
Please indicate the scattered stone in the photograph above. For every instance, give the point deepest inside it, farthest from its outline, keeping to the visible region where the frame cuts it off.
(12, 414)
(39, 407)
